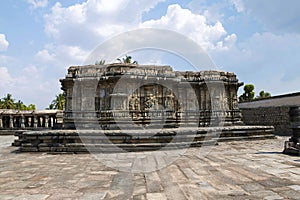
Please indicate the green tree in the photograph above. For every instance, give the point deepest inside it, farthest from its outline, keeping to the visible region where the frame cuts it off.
(8, 102)
(248, 94)
(51, 107)
(263, 95)
(100, 62)
(19, 105)
(30, 107)
(127, 60)
(58, 102)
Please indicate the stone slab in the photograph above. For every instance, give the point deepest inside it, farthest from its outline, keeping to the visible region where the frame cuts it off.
(231, 170)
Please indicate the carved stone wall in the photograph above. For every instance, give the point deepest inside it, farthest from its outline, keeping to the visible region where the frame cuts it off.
(96, 94)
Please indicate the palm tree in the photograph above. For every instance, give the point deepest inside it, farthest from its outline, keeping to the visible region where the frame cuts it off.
(8, 102)
(127, 60)
(58, 102)
(19, 105)
(101, 62)
(30, 107)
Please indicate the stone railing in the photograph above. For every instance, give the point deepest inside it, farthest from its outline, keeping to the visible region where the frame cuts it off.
(38, 119)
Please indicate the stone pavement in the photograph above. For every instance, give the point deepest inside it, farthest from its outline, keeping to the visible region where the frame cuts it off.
(232, 170)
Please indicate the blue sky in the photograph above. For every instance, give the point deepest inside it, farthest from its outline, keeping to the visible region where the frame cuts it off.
(40, 39)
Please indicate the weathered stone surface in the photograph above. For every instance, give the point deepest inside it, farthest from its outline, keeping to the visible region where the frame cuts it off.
(130, 140)
(123, 96)
(279, 117)
(14, 120)
(253, 169)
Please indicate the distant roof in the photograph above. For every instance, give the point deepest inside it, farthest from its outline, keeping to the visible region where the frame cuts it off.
(11, 111)
(292, 99)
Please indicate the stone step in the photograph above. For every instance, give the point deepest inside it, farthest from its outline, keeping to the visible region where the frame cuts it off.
(134, 140)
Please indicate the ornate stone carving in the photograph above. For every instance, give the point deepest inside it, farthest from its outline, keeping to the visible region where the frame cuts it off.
(153, 95)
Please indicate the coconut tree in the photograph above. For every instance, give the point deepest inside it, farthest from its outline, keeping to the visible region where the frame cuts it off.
(30, 107)
(100, 62)
(127, 60)
(58, 102)
(19, 105)
(8, 102)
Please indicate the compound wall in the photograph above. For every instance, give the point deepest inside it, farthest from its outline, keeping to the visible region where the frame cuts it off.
(275, 111)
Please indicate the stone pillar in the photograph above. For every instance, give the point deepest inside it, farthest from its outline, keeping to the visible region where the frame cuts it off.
(35, 121)
(1, 122)
(22, 121)
(46, 121)
(11, 121)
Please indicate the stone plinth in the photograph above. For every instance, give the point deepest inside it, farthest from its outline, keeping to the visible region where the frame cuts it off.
(109, 141)
(126, 107)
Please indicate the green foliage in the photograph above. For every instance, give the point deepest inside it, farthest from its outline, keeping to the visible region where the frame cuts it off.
(100, 62)
(8, 102)
(248, 94)
(249, 88)
(31, 107)
(263, 95)
(58, 102)
(127, 60)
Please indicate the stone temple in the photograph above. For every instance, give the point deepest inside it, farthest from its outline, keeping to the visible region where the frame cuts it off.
(139, 93)
(144, 107)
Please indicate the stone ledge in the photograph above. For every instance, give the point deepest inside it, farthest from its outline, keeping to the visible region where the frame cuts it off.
(133, 140)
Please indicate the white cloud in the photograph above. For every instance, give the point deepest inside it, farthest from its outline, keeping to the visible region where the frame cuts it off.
(71, 53)
(265, 59)
(29, 81)
(228, 43)
(38, 3)
(44, 56)
(238, 4)
(6, 78)
(3, 43)
(192, 25)
(91, 22)
(35, 73)
(59, 56)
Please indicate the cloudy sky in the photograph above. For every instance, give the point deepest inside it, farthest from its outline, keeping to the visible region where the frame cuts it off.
(259, 40)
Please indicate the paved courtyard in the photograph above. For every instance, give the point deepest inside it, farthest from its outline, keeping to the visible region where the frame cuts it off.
(232, 170)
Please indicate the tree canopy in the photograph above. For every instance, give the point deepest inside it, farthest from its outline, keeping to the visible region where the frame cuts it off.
(249, 94)
(263, 95)
(127, 59)
(100, 62)
(8, 102)
(58, 102)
